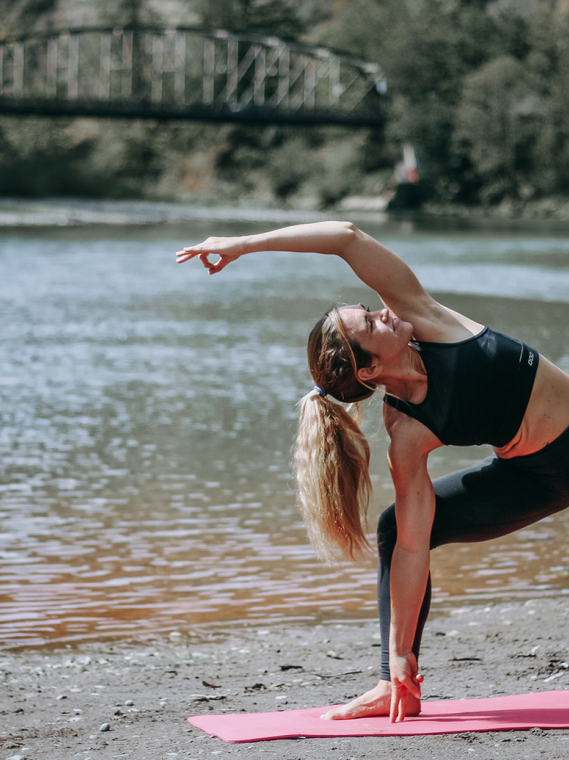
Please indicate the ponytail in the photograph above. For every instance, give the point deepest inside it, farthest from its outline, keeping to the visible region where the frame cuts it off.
(332, 453)
(332, 469)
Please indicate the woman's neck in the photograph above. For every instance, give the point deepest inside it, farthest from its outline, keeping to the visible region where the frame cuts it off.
(407, 381)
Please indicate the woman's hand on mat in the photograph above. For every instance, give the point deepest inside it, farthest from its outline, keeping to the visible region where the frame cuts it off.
(377, 701)
(229, 249)
(405, 685)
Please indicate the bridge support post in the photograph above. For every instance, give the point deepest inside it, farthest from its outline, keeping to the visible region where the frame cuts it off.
(127, 60)
(73, 67)
(18, 85)
(208, 89)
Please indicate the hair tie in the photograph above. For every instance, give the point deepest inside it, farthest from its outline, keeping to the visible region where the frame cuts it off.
(320, 391)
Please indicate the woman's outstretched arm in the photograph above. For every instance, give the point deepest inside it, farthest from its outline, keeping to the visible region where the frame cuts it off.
(374, 264)
(320, 237)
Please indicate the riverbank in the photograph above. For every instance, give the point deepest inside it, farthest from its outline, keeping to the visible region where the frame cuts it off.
(550, 209)
(549, 215)
(54, 704)
(61, 212)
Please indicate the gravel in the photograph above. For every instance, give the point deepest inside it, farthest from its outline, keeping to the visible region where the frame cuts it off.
(131, 699)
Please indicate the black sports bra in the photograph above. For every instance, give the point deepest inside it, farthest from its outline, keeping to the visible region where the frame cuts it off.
(478, 389)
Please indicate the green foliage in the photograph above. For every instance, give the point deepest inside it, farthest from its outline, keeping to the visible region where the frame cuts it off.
(512, 120)
(552, 147)
(264, 16)
(480, 92)
(481, 89)
(17, 17)
(498, 121)
(339, 173)
(83, 158)
(326, 163)
(288, 167)
(425, 48)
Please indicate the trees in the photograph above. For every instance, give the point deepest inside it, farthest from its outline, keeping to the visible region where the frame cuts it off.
(482, 93)
(512, 122)
(481, 90)
(426, 49)
(498, 122)
(552, 148)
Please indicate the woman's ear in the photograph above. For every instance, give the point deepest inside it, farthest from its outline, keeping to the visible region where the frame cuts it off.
(368, 374)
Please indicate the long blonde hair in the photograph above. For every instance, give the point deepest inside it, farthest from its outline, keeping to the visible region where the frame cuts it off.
(332, 454)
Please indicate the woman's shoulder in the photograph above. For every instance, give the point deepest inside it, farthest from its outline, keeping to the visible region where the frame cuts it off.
(443, 325)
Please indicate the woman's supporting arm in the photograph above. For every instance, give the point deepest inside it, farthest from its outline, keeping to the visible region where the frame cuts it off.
(414, 512)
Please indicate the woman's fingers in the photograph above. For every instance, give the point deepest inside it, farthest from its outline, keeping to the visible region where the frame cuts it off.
(401, 689)
(228, 249)
(220, 264)
(205, 261)
(402, 708)
(216, 266)
(412, 685)
(398, 703)
(190, 251)
(416, 691)
(186, 254)
(213, 267)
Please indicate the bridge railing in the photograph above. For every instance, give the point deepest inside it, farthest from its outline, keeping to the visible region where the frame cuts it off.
(186, 73)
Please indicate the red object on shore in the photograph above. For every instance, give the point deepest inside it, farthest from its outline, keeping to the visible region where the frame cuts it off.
(549, 709)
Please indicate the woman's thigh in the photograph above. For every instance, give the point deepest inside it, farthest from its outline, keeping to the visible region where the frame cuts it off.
(489, 500)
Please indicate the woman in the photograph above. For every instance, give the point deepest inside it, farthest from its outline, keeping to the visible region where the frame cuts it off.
(447, 380)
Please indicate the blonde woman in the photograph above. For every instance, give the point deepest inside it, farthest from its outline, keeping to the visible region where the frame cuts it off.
(448, 380)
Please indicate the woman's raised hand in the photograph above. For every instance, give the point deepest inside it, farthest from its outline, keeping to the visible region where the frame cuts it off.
(228, 248)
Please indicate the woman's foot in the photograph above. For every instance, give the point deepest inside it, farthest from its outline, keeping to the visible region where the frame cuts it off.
(374, 702)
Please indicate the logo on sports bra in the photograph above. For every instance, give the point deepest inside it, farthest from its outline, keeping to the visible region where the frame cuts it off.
(530, 359)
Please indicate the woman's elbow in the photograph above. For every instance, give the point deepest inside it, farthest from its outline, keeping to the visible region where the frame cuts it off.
(350, 230)
(348, 235)
(413, 545)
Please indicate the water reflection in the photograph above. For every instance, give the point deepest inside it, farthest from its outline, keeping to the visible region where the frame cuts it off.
(148, 414)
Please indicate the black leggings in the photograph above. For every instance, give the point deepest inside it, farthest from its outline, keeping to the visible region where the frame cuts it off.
(491, 499)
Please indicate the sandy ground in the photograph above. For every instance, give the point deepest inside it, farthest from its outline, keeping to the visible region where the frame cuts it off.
(53, 704)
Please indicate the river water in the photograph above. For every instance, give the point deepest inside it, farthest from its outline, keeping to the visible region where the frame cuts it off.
(148, 414)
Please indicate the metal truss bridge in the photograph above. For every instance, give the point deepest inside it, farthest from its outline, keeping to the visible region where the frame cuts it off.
(186, 73)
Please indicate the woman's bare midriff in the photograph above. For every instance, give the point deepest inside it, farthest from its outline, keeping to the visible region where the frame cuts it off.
(547, 413)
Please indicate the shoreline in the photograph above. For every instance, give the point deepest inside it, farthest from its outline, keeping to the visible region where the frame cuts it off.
(16, 213)
(62, 213)
(54, 702)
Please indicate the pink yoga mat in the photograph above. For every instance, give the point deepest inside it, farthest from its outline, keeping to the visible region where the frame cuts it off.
(548, 709)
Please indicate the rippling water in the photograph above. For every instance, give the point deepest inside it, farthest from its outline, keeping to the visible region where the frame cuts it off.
(148, 412)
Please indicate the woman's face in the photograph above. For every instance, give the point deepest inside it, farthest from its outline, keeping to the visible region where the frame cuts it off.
(381, 333)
